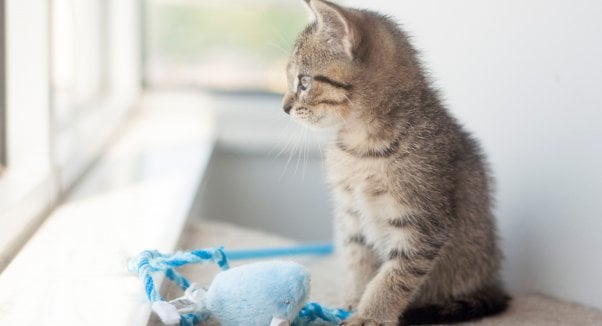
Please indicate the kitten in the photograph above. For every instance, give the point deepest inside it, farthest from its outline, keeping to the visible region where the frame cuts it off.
(412, 193)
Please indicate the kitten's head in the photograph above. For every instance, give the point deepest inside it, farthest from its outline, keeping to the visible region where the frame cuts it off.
(344, 59)
(321, 69)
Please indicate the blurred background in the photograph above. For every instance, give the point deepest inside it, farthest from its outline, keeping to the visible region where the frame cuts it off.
(524, 77)
(217, 45)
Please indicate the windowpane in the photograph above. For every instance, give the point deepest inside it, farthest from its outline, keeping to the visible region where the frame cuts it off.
(2, 91)
(79, 83)
(27, 185)
(237, 44)
(78, 57)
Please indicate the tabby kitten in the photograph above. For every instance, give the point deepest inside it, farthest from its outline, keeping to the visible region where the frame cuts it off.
(412, 194)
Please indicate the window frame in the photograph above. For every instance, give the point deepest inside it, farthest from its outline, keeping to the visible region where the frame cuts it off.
(27, 185)
(92, 120)
(33, 182)
(2, 90)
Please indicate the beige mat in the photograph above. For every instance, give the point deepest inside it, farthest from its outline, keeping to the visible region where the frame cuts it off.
(525, 309)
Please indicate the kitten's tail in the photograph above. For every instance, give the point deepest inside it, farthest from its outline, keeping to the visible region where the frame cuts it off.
(478, 305)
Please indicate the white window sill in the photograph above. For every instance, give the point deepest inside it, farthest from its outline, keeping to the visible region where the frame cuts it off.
(25, 197)
(73, 270)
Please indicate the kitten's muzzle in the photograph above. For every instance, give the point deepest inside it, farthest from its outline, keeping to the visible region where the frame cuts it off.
(287, 102)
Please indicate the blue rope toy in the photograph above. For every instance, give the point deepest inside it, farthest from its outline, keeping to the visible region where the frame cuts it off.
(254, 294)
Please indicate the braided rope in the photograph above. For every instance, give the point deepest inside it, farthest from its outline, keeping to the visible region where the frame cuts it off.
(313, 311)
(151, 261)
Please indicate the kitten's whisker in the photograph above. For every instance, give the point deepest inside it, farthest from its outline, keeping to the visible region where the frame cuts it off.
(303, 152)
(341, 117)
(291, 138)
(281, 135)
(349, 100)
(306, 153)
(281, 38)
(344, 119)
(278, 47)
(286, 147)
(279, 34)
(299, 152)
(291, 152)
(320, 147)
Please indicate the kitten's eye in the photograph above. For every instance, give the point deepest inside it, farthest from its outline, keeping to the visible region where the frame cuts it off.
(304, 82)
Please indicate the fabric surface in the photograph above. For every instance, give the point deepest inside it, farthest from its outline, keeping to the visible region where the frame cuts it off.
(261, 291)
(327, 278)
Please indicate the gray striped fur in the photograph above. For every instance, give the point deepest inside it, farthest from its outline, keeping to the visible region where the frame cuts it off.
(412, 191)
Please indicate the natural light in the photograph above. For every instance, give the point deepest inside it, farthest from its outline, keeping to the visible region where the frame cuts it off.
(423, 161)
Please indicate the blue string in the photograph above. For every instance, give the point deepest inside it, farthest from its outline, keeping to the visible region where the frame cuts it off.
(313, 311)
(152, 261)
(189, 320)
(319, 249)
(177, 278)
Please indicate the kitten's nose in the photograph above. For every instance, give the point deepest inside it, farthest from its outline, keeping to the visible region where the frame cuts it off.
(287, 102)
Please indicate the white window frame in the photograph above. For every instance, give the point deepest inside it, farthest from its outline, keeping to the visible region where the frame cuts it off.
(33, 182)
(99, 117)
(27, 187)
(2, 92)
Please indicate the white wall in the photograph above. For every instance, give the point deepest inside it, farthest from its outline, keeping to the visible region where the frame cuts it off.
(526, 78)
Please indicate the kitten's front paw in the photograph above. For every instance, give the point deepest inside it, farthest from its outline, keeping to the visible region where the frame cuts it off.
(361, 321)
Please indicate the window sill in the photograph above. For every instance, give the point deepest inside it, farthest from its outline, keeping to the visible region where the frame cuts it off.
(72, 271)
(25, 197)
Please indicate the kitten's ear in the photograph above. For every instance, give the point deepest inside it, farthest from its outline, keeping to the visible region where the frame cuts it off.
(335, 25)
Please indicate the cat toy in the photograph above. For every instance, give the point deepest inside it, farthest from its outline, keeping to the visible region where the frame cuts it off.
(266, 293)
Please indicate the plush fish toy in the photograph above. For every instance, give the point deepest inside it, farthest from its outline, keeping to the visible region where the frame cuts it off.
(266, 293)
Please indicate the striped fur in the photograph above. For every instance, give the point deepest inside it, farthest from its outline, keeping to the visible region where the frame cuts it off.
(412, 192)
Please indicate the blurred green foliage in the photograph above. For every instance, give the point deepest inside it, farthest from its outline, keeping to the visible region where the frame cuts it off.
(191, 30)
